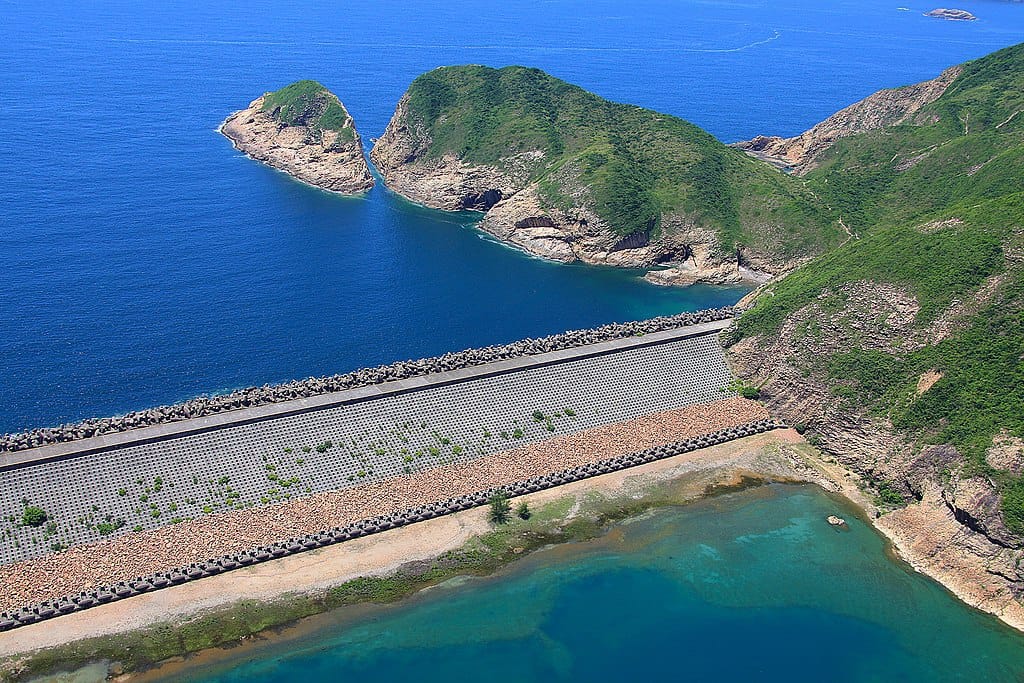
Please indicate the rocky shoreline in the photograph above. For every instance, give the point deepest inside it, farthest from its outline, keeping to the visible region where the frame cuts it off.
(315, 386)
(332, 160)
(947, 523)
(516, 194)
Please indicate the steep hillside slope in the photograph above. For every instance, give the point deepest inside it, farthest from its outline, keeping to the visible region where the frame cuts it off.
(882, 109)
(568, 175)
(902, 351)
(304, 130)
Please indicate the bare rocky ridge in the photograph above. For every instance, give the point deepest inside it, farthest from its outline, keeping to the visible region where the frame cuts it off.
(952, 529)
(884, 108)
(517, 214)
(323, 158)
(446, 183)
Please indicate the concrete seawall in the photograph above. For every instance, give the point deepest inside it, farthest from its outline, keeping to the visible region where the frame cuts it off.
(145, 478)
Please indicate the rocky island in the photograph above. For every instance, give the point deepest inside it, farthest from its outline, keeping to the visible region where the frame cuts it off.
(951, 14)
(567, 175)
(304, 130)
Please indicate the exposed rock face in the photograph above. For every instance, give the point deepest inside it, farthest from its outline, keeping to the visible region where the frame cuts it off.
(329, 159)
(884, 108)
(517, 213)
(445, 183)
(952, 528)
(978, 570)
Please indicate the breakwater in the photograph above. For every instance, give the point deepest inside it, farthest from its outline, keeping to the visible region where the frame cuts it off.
(204, 406)
(193, 571)
(117, 484)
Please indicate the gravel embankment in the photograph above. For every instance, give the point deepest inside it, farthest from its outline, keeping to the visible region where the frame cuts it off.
(139, 554)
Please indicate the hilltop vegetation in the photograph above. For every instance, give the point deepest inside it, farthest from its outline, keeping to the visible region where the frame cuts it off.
(308, 103)
(938, 206)
(641, 172)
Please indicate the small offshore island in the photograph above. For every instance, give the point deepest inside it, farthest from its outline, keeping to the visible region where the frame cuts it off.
(305, 131)
(567, 175)
(951, 14)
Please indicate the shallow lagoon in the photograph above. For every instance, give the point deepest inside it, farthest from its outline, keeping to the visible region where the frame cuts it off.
(752, 585)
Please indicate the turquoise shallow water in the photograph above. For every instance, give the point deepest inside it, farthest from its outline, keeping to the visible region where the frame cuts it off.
(748, 586)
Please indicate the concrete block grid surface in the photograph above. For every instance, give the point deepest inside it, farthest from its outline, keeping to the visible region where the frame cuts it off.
(149, 484)
(125, 589)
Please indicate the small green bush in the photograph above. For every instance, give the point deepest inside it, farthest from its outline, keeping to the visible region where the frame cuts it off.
(744, 389)
(107, 528)
(500, 508)
(889, 495)
(33, 516)
(523, 510)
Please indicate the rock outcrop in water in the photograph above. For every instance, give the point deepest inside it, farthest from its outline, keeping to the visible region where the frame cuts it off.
(305, 131)
(802, 154)
(951, 14)
(568, 176)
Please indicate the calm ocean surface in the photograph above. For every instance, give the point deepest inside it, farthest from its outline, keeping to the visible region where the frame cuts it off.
(144, 261)
(752, 586)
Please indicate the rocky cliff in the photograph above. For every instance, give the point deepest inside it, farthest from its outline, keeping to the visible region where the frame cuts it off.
(943, 514)
(884, 108)
(901, 352)
(568, 176)
(305, 131)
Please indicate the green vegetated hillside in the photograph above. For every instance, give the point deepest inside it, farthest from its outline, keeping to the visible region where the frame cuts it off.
(308, 103)
(638, 167)
(939, 207)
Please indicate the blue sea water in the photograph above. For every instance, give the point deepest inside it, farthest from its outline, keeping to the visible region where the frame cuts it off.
(144, 261)
(753, 586)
